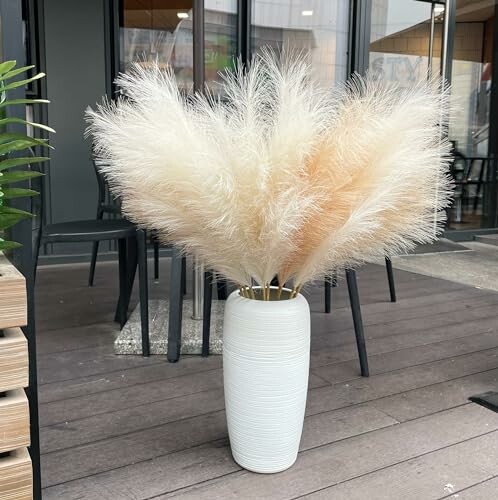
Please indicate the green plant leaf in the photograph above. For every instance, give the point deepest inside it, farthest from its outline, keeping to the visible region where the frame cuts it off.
(16, 72)
(8, 245)
(6, 66)
(6, 121)
(9, 193)
(10, 216)
(20, 144)
(21, 83)
(22, 101)
(15, 162)
(13, 136)
(12, 177)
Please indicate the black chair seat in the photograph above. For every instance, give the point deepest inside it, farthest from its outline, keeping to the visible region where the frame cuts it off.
(88, 230)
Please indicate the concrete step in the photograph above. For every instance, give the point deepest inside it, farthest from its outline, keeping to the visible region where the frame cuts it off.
(488, 239)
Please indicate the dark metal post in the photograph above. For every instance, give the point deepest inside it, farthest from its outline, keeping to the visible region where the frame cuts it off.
(359, 38)
(244, 30)
(175, 307)
(198, 36)
(143, 290)
(206, 316)
(13, 48)
(449, 27)
(490, 195)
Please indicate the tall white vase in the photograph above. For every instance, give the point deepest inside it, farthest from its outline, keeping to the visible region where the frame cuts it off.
(266, 347)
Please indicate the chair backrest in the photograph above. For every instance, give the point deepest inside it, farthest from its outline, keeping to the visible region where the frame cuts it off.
(107, 202)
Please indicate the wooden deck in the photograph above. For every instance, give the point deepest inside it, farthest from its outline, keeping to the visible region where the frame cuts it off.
(133, 428)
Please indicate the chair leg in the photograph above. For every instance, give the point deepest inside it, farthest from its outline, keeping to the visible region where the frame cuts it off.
(144, 292)
(121, 309)
(95, 250)
(328, 294)
(357, 321)
(175, 307)
(330, 282)
(93, 263)
(222, 289)
(390, 279)
(156, 259)
(184, 275)
(206, 313)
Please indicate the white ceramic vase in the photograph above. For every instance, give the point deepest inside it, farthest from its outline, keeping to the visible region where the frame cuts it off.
(266, 348)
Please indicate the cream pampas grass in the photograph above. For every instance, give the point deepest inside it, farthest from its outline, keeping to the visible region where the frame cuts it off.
(284, 179)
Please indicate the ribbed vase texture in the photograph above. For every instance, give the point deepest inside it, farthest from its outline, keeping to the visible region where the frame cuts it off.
(266, 347)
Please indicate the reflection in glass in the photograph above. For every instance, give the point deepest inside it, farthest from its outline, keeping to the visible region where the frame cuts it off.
(399, 40)
(162, 30)
(399, 50)
(319, 28)
(158, 30)
(220, 24)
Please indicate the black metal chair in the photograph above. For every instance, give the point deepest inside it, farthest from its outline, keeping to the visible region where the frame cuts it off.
(107, 204)
(131, 252)
(331, 282)
(178, 270)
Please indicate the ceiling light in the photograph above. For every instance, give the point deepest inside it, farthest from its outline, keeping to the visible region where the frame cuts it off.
(307, 13)
(182, 15)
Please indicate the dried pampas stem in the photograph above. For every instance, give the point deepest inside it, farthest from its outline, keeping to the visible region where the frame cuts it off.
(284, 178)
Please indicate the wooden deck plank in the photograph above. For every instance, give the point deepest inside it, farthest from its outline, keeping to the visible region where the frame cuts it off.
(362, 390)
(389, 361)
(117, 399)
(430, 476)
(149, 442)
(437, 397)
(331, 464)
(131, 376)
(152, 442)
(483, 491)
(125, 427)
(164, 390)
(342, 346)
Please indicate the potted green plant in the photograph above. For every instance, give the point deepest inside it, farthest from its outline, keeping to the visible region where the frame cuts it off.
(283, 179)
(11, 147)
(15, 152)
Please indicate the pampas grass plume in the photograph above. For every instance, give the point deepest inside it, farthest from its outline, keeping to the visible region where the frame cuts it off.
(284, 178)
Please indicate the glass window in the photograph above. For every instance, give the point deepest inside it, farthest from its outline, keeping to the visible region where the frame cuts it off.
(162, 30)
(220, 21)
(317, 27)
(399, 40)
(476, 190)
(158, 30)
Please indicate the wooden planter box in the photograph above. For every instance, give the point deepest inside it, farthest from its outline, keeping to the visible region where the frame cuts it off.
(13, 306)
(14, 420)
(13, 359)
(16, 477)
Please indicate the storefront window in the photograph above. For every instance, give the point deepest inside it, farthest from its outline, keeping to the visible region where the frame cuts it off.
(475, 194)
(154, 30)
(220, 21)
(399, 40)
(318, 28)
(162, 30)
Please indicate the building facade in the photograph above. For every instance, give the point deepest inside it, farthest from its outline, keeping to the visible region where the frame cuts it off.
(83, 45)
